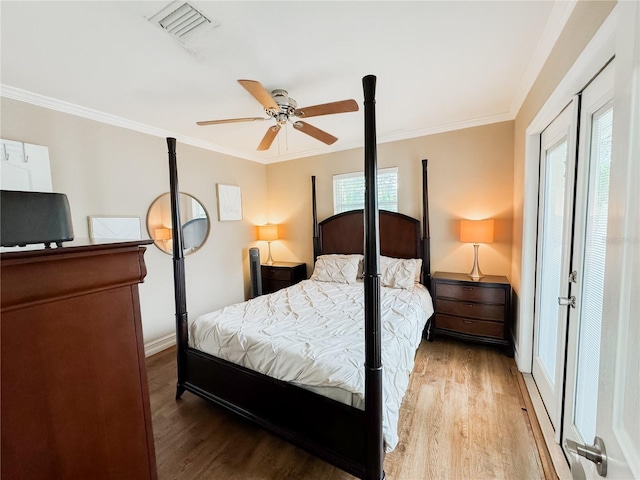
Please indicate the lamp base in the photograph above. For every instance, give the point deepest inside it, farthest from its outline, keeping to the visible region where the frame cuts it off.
(475, 272)
(270, 259)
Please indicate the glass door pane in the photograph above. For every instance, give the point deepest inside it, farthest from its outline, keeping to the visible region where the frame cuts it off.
(590, 305)
(555, 219)
(553, 226)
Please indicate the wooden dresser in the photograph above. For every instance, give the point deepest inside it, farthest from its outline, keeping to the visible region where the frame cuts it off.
(281, 275)
(75, 401)
(478, 311)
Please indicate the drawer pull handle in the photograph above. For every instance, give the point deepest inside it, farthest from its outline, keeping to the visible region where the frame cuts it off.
(468, 304)
(468, 322)
(468, 289)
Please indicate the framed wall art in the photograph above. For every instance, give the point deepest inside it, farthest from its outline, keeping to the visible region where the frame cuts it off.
(229, 202)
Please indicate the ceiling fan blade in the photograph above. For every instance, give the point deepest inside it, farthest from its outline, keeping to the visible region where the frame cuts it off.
(260, 94)
(268, 138)
(231, 120)
(315, 132)
(343, 106)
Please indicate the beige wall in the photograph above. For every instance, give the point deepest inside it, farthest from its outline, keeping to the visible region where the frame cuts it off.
(583, 23)
(107, 170)
(470, 176)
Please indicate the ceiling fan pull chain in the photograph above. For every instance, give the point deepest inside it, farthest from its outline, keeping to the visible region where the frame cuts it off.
(286, 138)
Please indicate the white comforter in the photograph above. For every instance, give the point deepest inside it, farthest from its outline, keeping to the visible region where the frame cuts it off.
(312, 334)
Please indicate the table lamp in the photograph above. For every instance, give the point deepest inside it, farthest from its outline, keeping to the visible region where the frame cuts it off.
(268, 233)
(476, 232)
(162, 234)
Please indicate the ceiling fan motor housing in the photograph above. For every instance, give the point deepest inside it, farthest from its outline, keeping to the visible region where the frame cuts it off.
(286, 104)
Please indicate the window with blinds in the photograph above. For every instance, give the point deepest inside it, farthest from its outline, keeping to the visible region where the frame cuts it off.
(197, 209)
(348, 190)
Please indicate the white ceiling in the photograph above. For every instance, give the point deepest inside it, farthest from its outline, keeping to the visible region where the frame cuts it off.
(440, 65)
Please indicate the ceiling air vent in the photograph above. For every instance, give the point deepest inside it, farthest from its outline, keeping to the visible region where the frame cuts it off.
(182, 20)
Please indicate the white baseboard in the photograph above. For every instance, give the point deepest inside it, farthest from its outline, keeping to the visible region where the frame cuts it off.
(159, 344)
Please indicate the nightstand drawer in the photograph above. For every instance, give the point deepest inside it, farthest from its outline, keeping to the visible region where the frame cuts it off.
(471, 310)
(269, 285)
(471, 327)
(472, 294)
(281, 275)
(275, 273)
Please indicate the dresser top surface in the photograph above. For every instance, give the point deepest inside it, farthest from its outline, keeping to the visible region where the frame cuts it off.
(77, 245)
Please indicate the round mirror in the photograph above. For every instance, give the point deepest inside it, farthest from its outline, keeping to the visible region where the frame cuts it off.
(193, 217)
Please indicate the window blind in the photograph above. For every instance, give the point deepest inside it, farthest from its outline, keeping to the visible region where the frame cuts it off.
(348, 190)
(592, 296)
(551, 255)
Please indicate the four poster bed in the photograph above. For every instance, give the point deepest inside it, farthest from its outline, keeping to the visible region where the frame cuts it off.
(292, 361)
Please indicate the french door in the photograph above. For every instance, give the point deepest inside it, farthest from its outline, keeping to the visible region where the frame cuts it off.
(587, 299)
(555, 218)
(572, 229)
(588, 259)
(600, 419)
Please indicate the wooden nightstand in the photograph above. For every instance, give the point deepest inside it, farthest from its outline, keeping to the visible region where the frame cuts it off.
(281, 275)
(477, 311)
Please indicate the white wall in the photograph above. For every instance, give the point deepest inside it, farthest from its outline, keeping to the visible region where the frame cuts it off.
(108, 170)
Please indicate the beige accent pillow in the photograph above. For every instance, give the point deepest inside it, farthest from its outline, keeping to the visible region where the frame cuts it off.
(398, 272)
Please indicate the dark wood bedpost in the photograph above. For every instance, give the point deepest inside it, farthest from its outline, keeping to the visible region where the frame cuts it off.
(373, 347)
(182, 334)
(316, 229)
(426, 235)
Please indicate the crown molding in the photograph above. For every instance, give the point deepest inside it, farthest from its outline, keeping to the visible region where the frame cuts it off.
(84, 112)
(73, 109)
(404, 135)
(447, 127)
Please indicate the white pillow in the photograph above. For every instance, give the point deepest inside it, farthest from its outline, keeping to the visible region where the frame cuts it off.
(398, 272)
(418, 269)
(336, 268)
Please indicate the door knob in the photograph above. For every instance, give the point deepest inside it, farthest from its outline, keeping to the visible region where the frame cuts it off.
(595, 453)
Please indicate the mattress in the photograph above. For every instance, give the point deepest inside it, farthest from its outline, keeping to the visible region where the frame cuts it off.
(312, 335)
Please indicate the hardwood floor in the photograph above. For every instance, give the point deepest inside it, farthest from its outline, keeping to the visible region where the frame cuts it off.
(463, 417)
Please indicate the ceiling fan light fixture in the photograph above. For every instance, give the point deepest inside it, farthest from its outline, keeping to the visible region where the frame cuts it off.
(281, 118)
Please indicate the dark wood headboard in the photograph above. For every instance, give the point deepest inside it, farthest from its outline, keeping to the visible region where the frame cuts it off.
(400, 235)
(344, 233)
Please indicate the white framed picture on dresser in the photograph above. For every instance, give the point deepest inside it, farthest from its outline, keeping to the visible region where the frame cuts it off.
(114, 227)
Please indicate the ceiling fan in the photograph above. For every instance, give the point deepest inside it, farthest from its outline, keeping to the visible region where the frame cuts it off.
(282, 108)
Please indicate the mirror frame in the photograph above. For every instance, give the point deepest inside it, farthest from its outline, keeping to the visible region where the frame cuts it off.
(166, 246)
